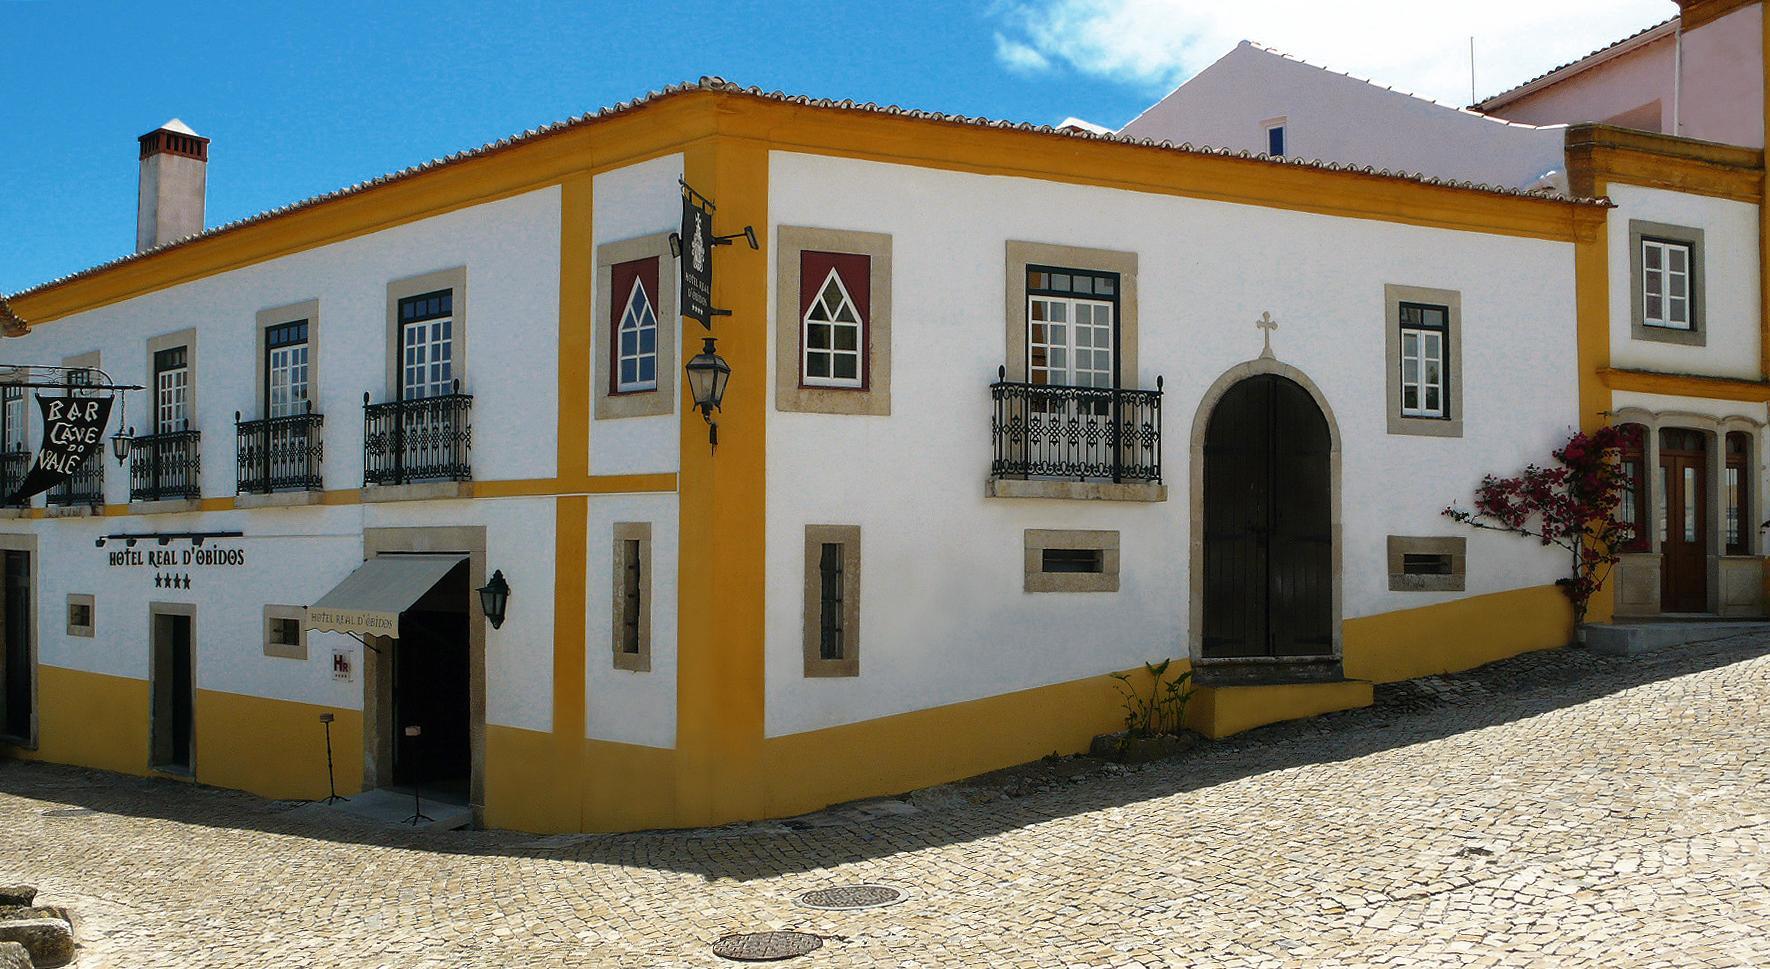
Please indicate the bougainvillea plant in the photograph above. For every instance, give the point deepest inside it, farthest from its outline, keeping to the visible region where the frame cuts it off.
(1577, 504)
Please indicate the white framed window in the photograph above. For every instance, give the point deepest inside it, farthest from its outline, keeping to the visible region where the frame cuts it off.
(832, 335)
(1275, 137)
(636, 362)
(171, 389)
(1070, 317)
(427, 345)
(1665, 284)
(285, 369)
(12, 417)
(1424, 360)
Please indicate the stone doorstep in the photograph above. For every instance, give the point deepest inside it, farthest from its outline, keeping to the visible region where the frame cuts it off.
(1635, 638)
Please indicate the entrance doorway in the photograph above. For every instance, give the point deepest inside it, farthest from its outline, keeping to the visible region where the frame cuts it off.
(1683, 520)
(431, 692)
(16, 703)
(1268, 582)
(174, 692)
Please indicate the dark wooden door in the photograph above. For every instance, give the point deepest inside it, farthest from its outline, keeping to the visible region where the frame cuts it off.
(15, 665)
(430, 692)
(1268, 538)
(1683, 478)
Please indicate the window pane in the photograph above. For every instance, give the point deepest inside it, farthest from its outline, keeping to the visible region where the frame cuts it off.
(1678, 258)
(1650, 255)
(847, 367)
(1689, 504)
(817, 365)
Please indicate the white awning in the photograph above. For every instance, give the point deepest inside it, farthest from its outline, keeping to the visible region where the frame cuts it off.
(368, 602)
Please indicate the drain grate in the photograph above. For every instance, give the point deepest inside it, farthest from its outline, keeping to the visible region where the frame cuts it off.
(73, 812)
(844, 897)
(766, 946)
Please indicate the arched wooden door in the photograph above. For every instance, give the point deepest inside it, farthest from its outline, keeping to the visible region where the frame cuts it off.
(1268, 524)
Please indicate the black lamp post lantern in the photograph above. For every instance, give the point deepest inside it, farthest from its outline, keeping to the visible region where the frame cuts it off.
(494, 598)
(120, 442)
(708, 373)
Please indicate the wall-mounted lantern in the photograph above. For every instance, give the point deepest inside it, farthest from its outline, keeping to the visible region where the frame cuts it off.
(494, 598)
(708, 373)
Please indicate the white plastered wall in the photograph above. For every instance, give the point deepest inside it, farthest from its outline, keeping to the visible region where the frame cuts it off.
(943, 614)
(1730, 283)
(623, 705)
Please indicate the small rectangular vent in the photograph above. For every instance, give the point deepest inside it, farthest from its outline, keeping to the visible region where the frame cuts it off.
(1414, 563)
(1073, 560)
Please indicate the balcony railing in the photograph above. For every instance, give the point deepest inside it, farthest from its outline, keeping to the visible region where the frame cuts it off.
(279, 453)
(427, 439)
(166, 466)
(1075, 432)
(86, 487)
(14, 465)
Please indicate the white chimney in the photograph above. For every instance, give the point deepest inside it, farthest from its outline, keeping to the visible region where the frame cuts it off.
(169, 203)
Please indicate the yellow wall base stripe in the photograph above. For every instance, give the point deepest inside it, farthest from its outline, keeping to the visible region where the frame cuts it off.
(275, 748)
(90, 719)
(1222, 711)
(624, 787)
(1457, 635)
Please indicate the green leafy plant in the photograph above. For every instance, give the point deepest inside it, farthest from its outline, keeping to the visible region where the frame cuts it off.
(1163, 711)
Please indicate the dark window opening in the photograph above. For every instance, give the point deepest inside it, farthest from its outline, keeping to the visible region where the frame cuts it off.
(79, 614)
(1425, 563)
(1275, 141)
(1633, 509)
(1073, 560)
(285, 632)
(1738, 492)
(830, 630)
(429, 306)
(630, 596)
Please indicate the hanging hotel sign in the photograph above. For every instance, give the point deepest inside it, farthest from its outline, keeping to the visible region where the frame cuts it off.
(697, 256)
(73, 427)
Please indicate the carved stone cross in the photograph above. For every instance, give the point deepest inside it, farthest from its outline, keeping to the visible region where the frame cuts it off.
(1266, 324)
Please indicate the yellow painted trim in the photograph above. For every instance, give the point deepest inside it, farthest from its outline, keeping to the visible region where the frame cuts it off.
(1686, 385)
(1591, 279)
(624, 139)
(275, 748)
(1015, 153)
(1602, 153)
(1224, 711)
(90, 719)
(684, 121)
(577, 260)
(570, 587)
(624, 787)
(598, 484)
(889, 755)
(721, 586)
(1457, 635)
(1696, 13)
(1764, 227)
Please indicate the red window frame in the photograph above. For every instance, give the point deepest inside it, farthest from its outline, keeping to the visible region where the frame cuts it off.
(621, 276)
(856, 272)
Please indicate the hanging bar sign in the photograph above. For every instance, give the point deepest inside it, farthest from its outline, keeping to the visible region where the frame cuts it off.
(697, 256)
(73, 427)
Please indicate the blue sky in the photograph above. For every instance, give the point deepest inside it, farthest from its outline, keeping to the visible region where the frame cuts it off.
(302, 98)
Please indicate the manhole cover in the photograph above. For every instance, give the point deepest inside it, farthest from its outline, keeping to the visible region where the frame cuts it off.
(851, 896)
(766, 946)
(73, 812)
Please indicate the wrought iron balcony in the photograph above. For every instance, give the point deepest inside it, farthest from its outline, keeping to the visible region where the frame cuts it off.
(1075, 433)
(166, 466)
(86, 487)
(426, 439)
(14, 465)
(279, 453)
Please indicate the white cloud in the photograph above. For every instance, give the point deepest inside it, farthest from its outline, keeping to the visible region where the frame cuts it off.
(1019, 57)
(1416, 46)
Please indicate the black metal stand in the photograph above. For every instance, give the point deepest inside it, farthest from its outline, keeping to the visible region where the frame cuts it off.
(417, 806)
(332, 796)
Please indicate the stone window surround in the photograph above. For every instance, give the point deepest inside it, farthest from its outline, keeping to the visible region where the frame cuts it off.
(1455, 546)
(816, 536)
(625, 532)
(1697, 335)
(610, 404)
(1037, 540)
(308, 310)
(280, 650)
(1393, 296)
(86, 599)
(873, 399)
(186, 338)
(455, 280)
(1019, 255)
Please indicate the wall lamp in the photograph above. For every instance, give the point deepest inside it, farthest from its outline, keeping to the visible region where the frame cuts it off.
(708, 373)
(494, 598)
(120, 443)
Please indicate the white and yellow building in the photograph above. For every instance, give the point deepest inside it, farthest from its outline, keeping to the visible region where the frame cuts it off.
(916, 552)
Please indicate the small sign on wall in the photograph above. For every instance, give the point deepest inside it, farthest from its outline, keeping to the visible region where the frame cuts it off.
(341, 666)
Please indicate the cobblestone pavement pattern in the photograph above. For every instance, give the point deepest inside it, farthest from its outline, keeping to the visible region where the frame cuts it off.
(1560, 809)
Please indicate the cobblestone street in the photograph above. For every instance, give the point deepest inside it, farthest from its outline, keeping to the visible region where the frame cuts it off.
(1559, 809)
